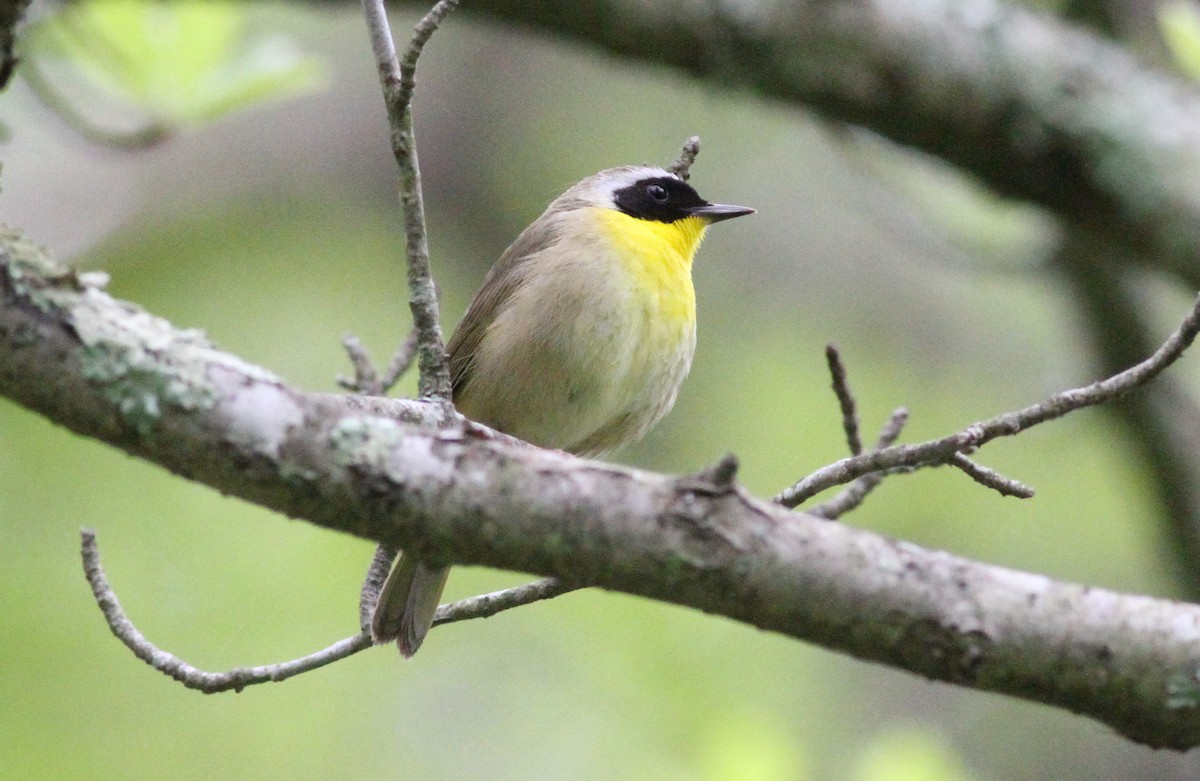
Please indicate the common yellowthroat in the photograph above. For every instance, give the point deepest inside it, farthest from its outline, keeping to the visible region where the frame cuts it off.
(578, 339)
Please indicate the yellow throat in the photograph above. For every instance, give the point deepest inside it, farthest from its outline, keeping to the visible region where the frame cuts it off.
(658, 257)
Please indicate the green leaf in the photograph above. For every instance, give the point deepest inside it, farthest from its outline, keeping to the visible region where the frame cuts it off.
(1179, 22)
(181, 61)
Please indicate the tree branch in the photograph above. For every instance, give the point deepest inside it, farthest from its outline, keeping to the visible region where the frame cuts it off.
(381, 469)
(488, 605)
(682, 167)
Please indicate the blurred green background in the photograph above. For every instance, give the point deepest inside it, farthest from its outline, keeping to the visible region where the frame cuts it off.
(276, 230)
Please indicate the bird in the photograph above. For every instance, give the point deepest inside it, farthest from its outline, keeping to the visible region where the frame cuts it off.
(578, 340)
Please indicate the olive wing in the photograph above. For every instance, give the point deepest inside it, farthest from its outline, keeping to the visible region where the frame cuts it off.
(505, 277)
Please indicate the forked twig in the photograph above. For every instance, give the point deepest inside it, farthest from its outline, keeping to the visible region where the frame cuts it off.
(398, 80)
(944, 450)
(367, 380)
(854, 494)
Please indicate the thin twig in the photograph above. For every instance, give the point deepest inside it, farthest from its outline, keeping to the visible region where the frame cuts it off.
(366, 379)
(398, 82)
(854, 494)
(423, 31)
(847, 499)
(240, 677)
(402, 359)
(487, 605)
(1107, 283)
(841, 388)
(171, 665)
(683, 164)
(990, 478)
(1008, 424)
(891, 430)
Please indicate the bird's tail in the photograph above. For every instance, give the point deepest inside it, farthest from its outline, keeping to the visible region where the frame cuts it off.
(407, 602)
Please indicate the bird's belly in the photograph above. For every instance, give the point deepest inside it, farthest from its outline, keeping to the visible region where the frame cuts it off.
(604, 367)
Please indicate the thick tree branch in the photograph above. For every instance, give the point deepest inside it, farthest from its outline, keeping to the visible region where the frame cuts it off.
(380, 469)
(1036, 108)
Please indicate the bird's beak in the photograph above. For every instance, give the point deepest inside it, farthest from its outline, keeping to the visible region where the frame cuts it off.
(715, 212)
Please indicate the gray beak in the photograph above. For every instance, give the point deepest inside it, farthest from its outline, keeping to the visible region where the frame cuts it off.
(715, 212)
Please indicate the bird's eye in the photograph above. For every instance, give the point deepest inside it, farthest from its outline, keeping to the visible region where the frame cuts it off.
(657, 192)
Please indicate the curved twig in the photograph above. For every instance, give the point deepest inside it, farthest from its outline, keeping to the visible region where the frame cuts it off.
(239, 678)
(150, 134)
(171, 665)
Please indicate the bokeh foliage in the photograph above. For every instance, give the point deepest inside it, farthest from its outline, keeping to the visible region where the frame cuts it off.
(276, 230)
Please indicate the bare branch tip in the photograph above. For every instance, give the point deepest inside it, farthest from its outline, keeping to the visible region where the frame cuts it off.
(402, 361)
(175, 667)
(683, 164)
(366, 378)
(990, 478)
(422, 32)
(722, 474)
(849, 407)
(891, 430)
